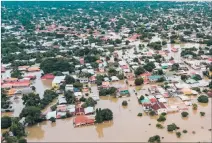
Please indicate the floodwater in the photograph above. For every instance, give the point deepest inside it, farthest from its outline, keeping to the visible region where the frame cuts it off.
(126, 126)
(41, 86)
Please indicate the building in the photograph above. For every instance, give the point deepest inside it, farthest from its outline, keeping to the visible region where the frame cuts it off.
(48, 76)
(159, 108)
(57, 81)
(69, 87)
(83, 120)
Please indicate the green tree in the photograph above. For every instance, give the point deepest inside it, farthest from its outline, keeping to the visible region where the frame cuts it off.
(139, 70)
(161, 118)
(171, 127)
(69, 79)
(17, 128)
(70, 98)
(11, 139)
(178, 134)
(6, 122)
(139, 81)
(202, 113)
(98, 117)
(32, 114)
(16, 74)
(202, 99)
(154, 139)
(124, 103)
(184, 114)
(22, 140)
(107, 114)
(195, 106)
(31, 99)
(159, 126)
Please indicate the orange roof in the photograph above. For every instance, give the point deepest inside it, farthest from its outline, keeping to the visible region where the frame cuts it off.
(33, 69)
(11, 91)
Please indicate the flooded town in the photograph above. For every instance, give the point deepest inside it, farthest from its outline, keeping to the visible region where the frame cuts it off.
(106, 72)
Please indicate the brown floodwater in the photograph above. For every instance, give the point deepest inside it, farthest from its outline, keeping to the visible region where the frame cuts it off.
(126, 126)
(41, 86)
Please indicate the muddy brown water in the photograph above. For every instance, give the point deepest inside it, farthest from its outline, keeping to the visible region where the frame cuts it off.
(126, 126)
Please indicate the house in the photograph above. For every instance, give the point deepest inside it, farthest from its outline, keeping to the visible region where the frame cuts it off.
(57, 81)
(145, 101)
(11, 79)
(114, 78)
(83, 80)
(69, 87)
(83, 120)
(11, 92)
(76, 94)
(95, 97)
(33, 69)
(26, 90)
(79, 111)
(145, 77)
(105, 84)
(124, 91)
(62, 108)
(51, 115)
(62, 100)
(159, 108)
(23, 68)
(92, 79)
(89, 110)
(3, 69)
(48, 76)
(154, 78)
(129, 75)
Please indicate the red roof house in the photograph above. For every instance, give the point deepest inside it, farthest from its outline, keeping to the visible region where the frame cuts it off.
(48, 76)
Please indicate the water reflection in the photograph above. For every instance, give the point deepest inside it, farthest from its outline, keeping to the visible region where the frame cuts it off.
(101, 127)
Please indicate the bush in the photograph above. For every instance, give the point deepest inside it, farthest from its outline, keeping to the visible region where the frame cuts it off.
(82, 99)
(152, 113)
(184, 114)
(171, 127)
(68, 115)
(163, 114)
(86, 94)
(202, 99)
(11, 139)
(141, 98)
(178, 134)
(159, 126)
(202, 113)
(154, 139)
(185, 131)
(194, 105)
(124, 103)
(161, 118)
(54, 107)
(5, 122)
(140, 114)
(139, 81)
(52, 119)
(22, 140)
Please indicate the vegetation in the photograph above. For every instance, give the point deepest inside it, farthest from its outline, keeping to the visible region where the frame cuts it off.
(89, 102)
(195, 106)
(154, 139)
(184, 114)
(32, 114)
(152, 113)
(171, 127)
(6, 122)
(139, 70)
(109, 91)
(103, 115)
(202, 113)
(139, 81)
(185, 131)
(178, 134)
(161, 118)
(140, 114)
(159, 126)
(124, 103)
(202, 99)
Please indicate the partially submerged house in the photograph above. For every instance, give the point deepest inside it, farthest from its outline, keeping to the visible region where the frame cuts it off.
(159, 108)
(57, 81)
